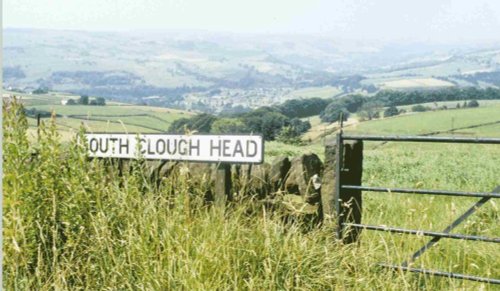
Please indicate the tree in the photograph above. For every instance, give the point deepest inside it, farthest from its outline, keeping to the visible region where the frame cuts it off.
(84, 100)
(419, 108)
(370, 110)
(179, 126)
(472, 104)
(299, 126)
(265, 120)
(41, 90)
(288, 135)
(291, 133)
(391, 111)
(100, 101)
(93, 102)
(228, 125)
(353, 103)
(201, 123)
(271, 125)
(298, 108)
(71, 102)
(332, 113)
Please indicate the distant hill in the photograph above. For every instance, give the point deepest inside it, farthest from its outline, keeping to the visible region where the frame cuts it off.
(216, 72)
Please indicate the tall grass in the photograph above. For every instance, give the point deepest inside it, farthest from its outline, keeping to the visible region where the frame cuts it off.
(71, 223)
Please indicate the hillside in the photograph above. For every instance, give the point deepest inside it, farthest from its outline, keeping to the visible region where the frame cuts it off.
(172, 69)
(217, 72)
(113, 117)
(470, 68)
(482, 121)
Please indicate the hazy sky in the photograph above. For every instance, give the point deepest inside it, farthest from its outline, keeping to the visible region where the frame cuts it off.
(421, 20)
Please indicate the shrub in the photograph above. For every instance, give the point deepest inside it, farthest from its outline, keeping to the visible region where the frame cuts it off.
(419, 108)
(41, 90)
(84, 100)
(332, 113)
(100, 101)
(71, 102)
(391, 111)
(472, 104)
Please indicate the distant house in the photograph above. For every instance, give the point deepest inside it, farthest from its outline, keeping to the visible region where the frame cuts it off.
(64, 102)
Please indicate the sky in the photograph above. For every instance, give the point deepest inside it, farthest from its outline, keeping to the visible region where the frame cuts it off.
(389, 20)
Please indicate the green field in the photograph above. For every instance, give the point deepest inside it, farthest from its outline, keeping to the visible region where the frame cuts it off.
(114, 117)
(418, 123)
(124, 233)
(449, 104)
(426, 122)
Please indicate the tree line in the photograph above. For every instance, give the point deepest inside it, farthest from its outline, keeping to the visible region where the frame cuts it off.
(367, 107)
(85, 100)
(283, 122)
(268, 121)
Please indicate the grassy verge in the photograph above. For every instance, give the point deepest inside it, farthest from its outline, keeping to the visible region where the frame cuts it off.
(71, 224)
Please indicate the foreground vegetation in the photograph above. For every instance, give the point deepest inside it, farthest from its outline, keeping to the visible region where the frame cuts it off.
(71, 223)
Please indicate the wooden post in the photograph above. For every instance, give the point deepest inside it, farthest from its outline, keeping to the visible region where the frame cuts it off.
(350, 200)
(223, 184)
(38, 126)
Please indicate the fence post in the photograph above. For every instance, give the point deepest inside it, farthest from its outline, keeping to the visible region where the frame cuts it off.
(328, 183)
(350, 200)
(343, 166)
(223, 184)
(38, 122)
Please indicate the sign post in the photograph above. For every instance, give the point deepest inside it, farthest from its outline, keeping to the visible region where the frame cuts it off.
(220, 149)
(223, 184)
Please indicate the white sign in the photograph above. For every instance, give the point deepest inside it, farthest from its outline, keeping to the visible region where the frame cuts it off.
(201, 148)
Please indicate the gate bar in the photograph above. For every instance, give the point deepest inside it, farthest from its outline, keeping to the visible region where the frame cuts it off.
(449, 228)
(442, 274)
(477, 140)
(494, 194)
(424, 232)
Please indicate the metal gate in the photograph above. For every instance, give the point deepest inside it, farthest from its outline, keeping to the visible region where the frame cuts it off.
(349, 226)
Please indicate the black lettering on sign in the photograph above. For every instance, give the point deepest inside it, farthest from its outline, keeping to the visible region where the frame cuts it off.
(101, 146)
(238, 149)
(143, 146)
(226, 152)
(150, 151)
(193, 147)
(207, 148)
(160, 146)
(213, 147)
(171, 147)
(251, 153)
(183, 149)
(93, 145)
(113, 141)
(123, 145)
